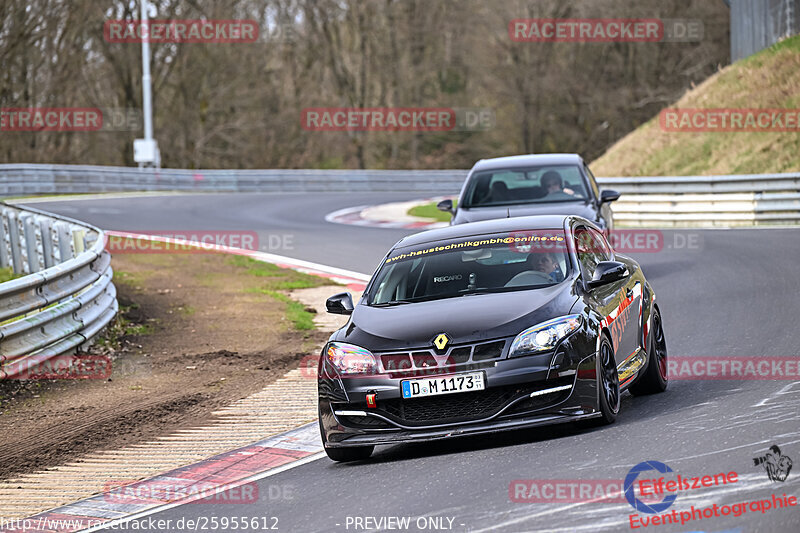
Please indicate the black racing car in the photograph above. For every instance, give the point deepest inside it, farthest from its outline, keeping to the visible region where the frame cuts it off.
(489, 326)
(536, 184)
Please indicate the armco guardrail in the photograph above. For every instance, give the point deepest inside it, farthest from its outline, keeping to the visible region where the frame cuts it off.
(685, 200)
(65, 296)
(44, 179)
(707, 200)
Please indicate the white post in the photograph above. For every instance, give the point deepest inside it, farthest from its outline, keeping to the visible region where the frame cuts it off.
(147, 101)
(145, 151)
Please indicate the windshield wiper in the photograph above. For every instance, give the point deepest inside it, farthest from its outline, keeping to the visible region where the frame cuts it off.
(486, 290)
(390, 303)
(480, 290)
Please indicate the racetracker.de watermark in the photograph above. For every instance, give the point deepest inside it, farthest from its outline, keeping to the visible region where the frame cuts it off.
(624, 241)
(733, 367)
(85, 119)
(397, 119)
(566, 490)
(165, 490)
(633, 241)
(605, 30)
(184, 242)
(64, 366)
(181, 31)
(50, 119)
(723, 120)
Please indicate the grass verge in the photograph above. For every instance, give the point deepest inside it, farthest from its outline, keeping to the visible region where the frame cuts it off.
(7, 274)
(296, 313)
(430, 211)
(275, 279)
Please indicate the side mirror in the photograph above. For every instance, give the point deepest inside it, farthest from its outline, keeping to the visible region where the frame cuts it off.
(445, 205)
(340, 304)
(608, 272)
(608, 196)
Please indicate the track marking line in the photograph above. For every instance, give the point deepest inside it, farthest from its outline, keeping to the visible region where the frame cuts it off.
(116, 522)
(301, 265)
(357, 216)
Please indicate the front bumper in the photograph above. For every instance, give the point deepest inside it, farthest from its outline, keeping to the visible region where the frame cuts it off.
(519, 394)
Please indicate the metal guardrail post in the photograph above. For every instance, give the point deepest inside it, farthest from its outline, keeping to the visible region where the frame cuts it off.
(5, 256)
(47, 233)
(14, 243)
(32, 243)
(65, 247)
(78, 240)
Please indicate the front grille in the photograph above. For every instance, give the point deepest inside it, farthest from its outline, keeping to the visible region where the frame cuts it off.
(459, 406)
(463, 406)
(468, 406)
(423, 359)
(396, 362)
(459, 356)
(490, 350)
(426, 362)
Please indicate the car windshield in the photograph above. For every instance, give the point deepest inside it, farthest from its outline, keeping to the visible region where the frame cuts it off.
(486, 263)
(512, 186)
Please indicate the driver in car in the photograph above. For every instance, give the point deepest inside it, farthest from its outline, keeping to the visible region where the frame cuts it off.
(544, 262)
(543, 267)
(553, 184)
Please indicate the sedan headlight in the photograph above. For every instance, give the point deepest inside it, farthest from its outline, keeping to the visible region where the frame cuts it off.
(351, 359)
(544, 337)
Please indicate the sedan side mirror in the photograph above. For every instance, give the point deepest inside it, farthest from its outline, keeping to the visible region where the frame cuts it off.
(608, 272)
(445, 205)
(608, 196)
(340, 304)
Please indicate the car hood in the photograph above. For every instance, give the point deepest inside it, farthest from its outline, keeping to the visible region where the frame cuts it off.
(465, 319)
(475, 214)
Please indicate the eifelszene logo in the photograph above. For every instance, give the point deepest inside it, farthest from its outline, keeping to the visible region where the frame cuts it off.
(630, 495)
(777, 465)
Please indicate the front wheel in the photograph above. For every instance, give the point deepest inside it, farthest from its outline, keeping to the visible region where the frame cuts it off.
(607, 385)
(655, 377)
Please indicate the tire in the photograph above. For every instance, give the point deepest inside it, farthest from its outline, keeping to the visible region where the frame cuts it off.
(654, 379)
(607, 384)
(346, 455)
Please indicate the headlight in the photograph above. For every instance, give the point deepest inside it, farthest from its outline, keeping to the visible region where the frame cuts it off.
(351, 359)
(543, 337)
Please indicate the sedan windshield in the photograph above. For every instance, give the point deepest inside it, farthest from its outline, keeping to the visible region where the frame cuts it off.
(513, 186)
(487, 263)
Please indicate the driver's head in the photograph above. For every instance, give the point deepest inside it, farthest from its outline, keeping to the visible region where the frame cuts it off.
(551, 181)
(542, 261)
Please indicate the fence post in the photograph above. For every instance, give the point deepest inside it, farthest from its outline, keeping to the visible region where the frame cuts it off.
(14, 244)
(65, 248)
(5, 260)
(48, 253)
(32, 243)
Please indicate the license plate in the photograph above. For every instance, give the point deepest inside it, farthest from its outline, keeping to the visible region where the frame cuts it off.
(414, 388)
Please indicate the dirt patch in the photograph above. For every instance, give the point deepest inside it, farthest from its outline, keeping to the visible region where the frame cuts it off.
(197, 332)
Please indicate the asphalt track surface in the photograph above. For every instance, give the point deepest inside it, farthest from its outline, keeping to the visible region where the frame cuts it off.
(721, 293)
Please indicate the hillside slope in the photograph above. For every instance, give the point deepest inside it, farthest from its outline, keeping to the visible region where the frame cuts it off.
(769, 79)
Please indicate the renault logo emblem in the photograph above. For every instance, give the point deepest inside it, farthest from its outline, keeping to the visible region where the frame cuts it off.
(441, 340)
